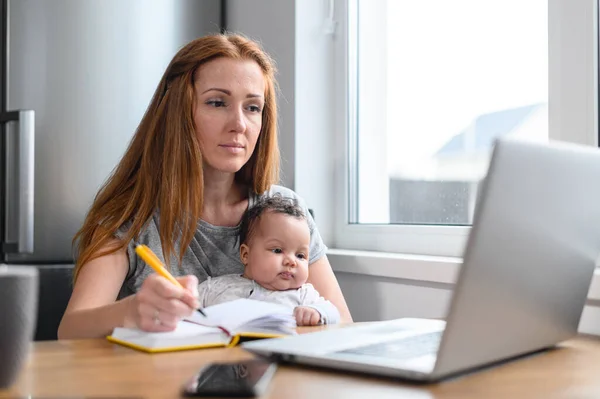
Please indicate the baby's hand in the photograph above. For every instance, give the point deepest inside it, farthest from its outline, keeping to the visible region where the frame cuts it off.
(307, 316)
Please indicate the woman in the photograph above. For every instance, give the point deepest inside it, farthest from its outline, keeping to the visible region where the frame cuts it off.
(204, 152)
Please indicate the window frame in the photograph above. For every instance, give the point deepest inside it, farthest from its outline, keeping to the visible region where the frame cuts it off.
(573, 116)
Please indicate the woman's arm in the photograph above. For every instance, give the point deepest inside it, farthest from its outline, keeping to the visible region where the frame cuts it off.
(93, 313)
(321, 276)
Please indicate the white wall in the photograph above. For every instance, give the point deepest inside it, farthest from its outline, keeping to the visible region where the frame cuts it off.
(294, 34)
(271, 23)
(373, 298)
(315, 141)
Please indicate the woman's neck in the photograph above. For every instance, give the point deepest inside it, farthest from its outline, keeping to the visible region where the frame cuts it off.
(220, 189)
(224, 200)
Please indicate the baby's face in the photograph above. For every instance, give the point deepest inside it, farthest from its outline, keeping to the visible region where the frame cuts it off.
(277, 255)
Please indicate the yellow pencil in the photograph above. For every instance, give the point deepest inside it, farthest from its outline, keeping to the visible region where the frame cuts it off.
(152, 260)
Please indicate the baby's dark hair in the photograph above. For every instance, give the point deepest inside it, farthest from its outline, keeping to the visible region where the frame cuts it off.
(276, 203)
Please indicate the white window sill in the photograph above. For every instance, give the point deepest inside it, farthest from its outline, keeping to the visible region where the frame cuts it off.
(435, 269)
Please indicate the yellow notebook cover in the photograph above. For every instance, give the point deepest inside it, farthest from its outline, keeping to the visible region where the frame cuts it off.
(225, 325)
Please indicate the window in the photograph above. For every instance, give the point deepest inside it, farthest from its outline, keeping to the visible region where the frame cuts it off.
(429, 85)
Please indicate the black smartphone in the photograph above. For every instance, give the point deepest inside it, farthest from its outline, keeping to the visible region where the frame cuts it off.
(247, 378)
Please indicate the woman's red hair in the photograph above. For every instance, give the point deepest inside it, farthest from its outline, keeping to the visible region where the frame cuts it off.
(162, 167)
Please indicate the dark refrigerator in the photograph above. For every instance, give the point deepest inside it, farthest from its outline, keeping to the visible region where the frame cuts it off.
(76, 77)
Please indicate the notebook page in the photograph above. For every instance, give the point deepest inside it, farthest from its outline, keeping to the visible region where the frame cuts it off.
(235, 314)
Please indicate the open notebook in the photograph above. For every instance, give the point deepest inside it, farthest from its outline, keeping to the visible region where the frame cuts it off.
(225, 324)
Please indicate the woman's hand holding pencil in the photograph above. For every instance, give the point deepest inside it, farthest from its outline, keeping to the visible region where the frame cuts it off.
(163, 300)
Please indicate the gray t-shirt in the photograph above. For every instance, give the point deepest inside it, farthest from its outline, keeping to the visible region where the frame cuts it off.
(214, 291)
(214, 250)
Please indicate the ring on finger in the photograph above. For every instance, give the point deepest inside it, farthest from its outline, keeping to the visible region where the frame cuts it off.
(155, 317)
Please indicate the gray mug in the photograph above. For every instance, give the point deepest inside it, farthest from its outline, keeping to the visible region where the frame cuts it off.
(18, 315)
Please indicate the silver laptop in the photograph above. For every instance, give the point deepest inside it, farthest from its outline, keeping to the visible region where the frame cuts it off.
(522, 287)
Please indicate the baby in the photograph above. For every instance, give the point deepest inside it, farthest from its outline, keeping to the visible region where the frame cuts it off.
(274, 245)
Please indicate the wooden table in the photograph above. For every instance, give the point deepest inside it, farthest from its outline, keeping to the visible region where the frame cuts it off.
(100, 369)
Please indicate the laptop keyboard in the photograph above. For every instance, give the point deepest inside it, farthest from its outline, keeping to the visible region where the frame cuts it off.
(404, 348)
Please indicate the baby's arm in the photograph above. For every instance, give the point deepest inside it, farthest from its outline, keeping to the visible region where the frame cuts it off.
(310, 297)
(215, 290)
(203, 290)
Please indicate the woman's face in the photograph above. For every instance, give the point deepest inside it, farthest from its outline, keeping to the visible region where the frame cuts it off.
(228, 112)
